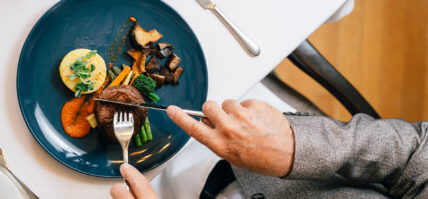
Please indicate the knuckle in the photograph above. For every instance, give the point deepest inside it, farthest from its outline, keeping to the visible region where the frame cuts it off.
(228, 102)
(208, 105)
(255, 104)
(230, 131)
(241, 115)
(227, 127)
(233, 131)
(247, 103)
(193, 130)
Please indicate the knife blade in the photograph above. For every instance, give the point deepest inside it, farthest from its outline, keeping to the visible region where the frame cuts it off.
(243, 39)
(192, 113)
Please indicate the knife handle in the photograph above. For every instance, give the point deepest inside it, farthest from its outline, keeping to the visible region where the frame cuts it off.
(248, 43)
(195, 113)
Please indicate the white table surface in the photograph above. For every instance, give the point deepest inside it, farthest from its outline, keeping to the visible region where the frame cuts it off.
(278, 26)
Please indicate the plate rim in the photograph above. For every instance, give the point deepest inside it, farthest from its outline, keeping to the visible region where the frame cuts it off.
(26, 119)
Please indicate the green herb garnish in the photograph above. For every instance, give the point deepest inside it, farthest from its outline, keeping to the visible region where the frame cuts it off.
(82, 72)
(90, 54)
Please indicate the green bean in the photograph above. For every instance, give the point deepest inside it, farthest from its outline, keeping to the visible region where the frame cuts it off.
(138, 140)
(116, 70)
(111, 74)
(148, 129)
(143, 135)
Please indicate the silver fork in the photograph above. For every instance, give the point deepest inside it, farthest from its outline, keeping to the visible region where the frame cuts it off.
(123, 124)
(27, 190)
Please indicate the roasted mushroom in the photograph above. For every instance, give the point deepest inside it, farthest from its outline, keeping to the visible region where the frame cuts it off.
(159, 79)
(165, 50)
(153, 65)
(139, 61)
(149, 49)
(169, 77)
(177, 74)
(173, 62)
(141, 37)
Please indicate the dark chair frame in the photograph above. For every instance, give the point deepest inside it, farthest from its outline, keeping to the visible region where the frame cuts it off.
(311, 61)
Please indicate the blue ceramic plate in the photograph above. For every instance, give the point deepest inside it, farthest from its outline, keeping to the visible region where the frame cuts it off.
(94, 24)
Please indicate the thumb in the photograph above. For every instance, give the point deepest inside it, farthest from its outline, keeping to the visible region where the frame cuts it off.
(138, 183)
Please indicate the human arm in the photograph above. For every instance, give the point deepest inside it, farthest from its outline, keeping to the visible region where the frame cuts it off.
(249, 135)
(392, 152)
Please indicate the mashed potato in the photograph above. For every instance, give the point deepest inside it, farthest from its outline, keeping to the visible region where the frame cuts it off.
(98, 76)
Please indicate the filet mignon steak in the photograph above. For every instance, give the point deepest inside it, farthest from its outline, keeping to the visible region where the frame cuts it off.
(104, 111)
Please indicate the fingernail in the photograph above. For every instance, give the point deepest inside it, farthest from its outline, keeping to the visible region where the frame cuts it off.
(124, 167)
(171, 111)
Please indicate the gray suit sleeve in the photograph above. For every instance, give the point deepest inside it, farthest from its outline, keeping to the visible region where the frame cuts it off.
(392, 152)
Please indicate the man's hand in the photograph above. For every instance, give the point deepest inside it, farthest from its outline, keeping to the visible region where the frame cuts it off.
(140, 186)
(252, 135)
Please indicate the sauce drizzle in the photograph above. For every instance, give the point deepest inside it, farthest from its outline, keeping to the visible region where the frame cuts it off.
(115, 48)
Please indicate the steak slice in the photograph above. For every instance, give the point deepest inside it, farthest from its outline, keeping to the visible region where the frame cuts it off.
(104, 112)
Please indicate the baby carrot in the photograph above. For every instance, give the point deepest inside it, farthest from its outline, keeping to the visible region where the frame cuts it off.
(121, 76)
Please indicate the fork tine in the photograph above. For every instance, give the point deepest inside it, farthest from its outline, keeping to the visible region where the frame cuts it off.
(121, 117)
(115, 121)
(125, 116)
(131, 118)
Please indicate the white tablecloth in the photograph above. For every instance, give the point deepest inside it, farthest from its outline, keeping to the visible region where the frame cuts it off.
(278, 26)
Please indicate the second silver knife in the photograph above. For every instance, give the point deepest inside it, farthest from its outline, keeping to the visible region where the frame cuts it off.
(248, 43)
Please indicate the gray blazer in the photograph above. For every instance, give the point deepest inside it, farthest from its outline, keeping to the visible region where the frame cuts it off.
(365, 158)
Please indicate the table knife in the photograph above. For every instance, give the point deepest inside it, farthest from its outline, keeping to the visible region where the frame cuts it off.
(247, 43)
(27, 190)
(192, 113)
